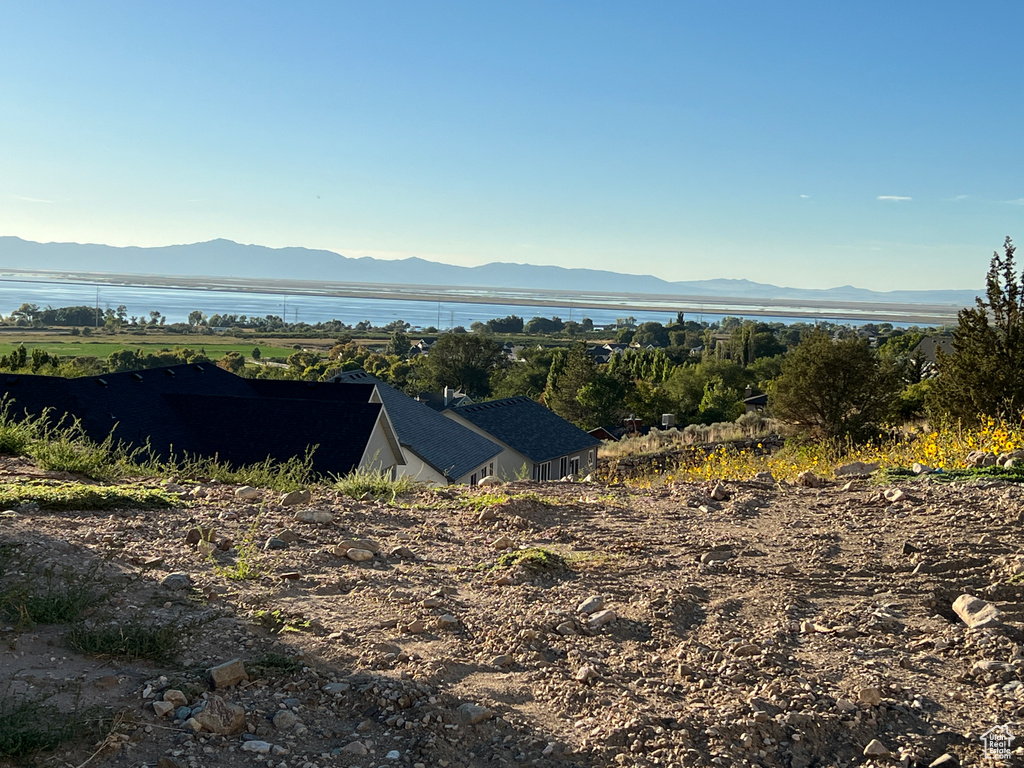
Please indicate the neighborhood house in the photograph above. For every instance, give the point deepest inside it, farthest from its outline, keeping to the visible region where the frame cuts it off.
(536, 442)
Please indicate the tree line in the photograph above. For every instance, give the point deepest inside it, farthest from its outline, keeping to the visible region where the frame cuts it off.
(835, 381)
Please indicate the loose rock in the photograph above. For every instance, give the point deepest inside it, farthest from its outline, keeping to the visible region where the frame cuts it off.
(875, 748)
(227, 674)
(471, 714)
(220, 716)
(976, 613)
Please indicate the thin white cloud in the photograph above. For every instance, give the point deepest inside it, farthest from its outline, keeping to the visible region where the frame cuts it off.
(958, 198)
(805, 197)
(1018, 201)
(31, 199)
(895, 198)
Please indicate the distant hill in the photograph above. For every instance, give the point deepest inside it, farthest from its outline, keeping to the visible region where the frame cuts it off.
(224, 258)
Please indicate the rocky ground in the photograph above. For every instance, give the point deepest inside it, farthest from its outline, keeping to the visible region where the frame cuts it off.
(759, 624)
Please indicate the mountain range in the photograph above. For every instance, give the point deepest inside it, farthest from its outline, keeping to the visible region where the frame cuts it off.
(225, 258)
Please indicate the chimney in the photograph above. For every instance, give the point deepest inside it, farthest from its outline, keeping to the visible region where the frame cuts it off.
(449, 395)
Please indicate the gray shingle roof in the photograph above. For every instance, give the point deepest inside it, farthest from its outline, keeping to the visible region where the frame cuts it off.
(448, 447)
(528, 427)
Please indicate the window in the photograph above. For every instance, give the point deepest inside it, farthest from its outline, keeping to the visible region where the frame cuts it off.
(472, 479)
(590, 460)
(541, 471)
(563, 468)
(574, 465)
(490, 468)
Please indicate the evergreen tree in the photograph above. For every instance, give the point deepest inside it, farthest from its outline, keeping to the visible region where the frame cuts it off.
(985, 374)
(562, 397)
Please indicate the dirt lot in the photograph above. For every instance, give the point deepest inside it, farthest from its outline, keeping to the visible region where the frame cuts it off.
(779, 626)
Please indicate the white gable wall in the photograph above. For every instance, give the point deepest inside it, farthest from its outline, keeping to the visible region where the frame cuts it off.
(380, 453)
(419, 470)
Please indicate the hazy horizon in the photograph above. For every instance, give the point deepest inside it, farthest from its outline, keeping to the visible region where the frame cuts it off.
(810, 145)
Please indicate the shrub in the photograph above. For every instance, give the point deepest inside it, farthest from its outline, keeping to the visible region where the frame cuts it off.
(834, 389)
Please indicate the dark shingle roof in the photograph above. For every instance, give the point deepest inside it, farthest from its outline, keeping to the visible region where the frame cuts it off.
(528, 427)
(203, 410)
(448, 447)
(246, 430)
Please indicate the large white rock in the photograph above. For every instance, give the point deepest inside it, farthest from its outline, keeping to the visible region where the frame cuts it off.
(875, 748)
(975, 612)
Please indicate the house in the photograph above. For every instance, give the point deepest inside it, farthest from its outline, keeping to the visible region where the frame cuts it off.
(754, 403)
(437, 449)
(449, 398)
(202, 410)
(535, 442)
(616, 349)
(602, 433)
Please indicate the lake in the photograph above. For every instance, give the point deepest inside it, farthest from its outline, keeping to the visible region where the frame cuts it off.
(177, 303)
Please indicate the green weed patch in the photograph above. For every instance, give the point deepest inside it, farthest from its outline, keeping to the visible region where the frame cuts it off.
(130, 641)
(536, 559)
(31, 725)
(57, 496)
(273, 665)
(50, 597)
(364, 483)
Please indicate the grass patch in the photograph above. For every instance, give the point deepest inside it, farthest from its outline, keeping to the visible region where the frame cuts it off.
(16, 435)
(482, 501)
(536, 559)
(273, 665)
(276, 621)
(51, 598)
(372, 483)
(245, 566)
(69, 450)
(532, 497)
(154, 343)
(594, 561)
(293, 474)
(130, 641)
(1011, 475)
(76, 496)
(31, 725)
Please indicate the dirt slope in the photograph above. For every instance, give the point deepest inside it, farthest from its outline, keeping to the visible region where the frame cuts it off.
(780, 626)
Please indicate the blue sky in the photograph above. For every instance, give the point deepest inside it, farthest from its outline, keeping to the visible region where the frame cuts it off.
(805, 144)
